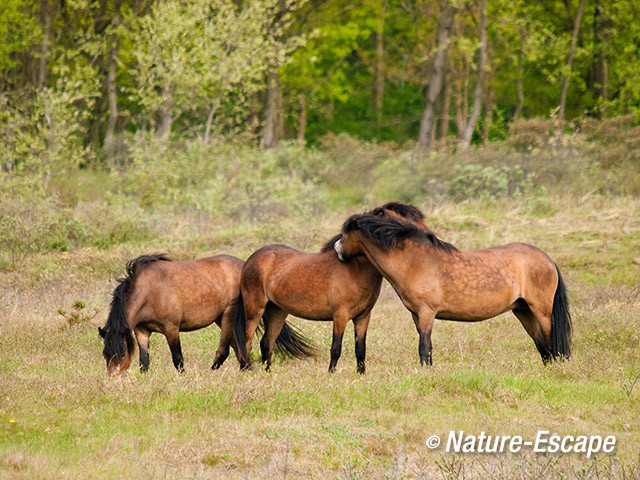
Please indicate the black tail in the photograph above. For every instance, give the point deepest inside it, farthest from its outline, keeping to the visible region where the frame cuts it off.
(241, 339)
(561, 327)
(117, 335)
(292, 343)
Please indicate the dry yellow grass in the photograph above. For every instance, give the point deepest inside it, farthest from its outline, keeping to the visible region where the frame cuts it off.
(60, 416)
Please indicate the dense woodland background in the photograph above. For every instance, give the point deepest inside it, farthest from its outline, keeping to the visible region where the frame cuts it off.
(81, 81)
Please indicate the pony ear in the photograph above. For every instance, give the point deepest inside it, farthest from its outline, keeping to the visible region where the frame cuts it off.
(102, 332)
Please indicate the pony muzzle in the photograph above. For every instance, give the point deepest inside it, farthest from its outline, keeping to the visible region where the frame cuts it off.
(338, 248)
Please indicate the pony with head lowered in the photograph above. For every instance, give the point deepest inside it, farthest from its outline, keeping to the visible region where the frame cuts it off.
(436, 280)
(162, 295)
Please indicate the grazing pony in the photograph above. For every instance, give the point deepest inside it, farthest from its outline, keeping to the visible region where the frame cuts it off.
(278, 280)
(436, 280)
(165, 296)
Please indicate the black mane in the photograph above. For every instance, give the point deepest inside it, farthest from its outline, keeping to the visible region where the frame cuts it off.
(387, 231)
(410, 212)
(117, 327)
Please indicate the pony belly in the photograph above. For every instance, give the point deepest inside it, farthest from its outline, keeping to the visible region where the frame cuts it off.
(309, 313)
(474, 314)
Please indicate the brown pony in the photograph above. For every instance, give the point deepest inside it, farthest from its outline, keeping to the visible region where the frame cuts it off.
(436, 280)
(278, 280)
(165, 296)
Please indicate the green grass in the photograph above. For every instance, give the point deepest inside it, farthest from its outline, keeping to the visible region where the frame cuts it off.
(60, 416)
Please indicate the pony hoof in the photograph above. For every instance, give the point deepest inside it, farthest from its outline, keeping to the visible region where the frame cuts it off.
(216, 366)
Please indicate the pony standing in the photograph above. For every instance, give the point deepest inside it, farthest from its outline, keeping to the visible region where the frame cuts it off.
(436, 280)
(278, 280)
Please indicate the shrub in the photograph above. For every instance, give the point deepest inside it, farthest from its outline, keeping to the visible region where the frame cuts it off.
(527, 134)
(478, 181)
(30, 221)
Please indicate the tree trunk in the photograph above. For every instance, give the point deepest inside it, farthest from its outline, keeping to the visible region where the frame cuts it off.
(269, 139)
(477, 93)
(212, 113)
(572, 51)
(463, 100)
(378, 85)
(602, 35)
(446, 100)
(487, 118)
(164, 112)
(280, 127)
(45, 24)
(112, 93)
(435, 83)
(302, 120)
(520, 75)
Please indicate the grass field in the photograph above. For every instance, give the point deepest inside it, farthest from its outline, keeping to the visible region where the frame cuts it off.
(61, 418)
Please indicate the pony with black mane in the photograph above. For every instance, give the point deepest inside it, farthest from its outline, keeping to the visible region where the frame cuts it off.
(436, 280)
(278, 280)
(162, 295)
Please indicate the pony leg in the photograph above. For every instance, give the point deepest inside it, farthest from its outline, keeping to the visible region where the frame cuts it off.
(539, 328)
(226, 338)
(142, 337)
(360, 326)
(424, 325)
(254, 310)
(339, 325)
(274, 318)
(173, 339)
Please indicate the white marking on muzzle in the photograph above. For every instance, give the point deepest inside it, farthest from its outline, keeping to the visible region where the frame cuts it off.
(338, 248)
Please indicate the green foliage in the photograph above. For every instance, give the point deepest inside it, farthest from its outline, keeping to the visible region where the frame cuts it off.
(19, 31)
(477, 181)
(237, 182)
(77, 315)
(32, 221)
(192, 56)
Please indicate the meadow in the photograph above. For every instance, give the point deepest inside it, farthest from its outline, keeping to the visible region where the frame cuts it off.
(60, 417)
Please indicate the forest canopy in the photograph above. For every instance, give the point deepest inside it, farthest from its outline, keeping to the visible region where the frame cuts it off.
(80, 78)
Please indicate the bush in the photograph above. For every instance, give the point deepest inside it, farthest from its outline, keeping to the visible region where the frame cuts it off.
(233, 182)
(527, 134)
(478, 181)
(30, 221)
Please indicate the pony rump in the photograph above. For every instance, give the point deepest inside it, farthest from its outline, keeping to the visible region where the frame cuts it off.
(561, 326)
(387, 231)
(118, 339)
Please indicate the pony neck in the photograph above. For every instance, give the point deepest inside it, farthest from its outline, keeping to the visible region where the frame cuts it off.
(390, 263)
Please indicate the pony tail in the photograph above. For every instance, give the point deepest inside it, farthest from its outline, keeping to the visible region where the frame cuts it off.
(561, 326)
(292, 343)
(239, 332)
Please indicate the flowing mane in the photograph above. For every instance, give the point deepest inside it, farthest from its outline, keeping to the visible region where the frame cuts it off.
(404, 210)
(117, 327)
(410, 212)
(387, 231)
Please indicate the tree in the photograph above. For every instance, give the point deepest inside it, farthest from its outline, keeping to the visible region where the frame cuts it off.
(438, 71)
(569, 66)
(190, 55)
(465, 140)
